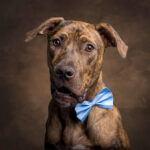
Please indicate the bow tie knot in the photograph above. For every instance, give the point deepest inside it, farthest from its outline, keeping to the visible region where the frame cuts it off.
(103, 99)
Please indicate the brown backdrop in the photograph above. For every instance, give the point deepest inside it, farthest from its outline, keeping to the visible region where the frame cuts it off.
(24, 76)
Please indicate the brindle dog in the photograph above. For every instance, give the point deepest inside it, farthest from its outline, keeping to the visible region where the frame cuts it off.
(75, 57)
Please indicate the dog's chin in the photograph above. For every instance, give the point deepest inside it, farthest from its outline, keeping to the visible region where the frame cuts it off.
(64, 104)
(64, 100)
(64, 97)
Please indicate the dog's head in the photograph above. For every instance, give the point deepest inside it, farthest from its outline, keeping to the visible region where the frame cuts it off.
(75, 55)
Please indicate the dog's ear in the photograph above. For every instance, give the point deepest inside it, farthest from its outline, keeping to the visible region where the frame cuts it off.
(111, 38)
(45, 28)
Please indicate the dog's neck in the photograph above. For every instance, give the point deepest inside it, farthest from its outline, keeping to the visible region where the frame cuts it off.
(95, 88)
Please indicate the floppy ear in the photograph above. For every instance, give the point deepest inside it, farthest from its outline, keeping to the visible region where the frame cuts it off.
(111, 38)
(46, 27)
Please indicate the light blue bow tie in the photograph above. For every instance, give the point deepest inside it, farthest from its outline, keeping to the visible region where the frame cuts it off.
(103, 99)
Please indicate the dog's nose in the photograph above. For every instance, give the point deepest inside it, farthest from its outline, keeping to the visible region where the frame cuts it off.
(66, 72)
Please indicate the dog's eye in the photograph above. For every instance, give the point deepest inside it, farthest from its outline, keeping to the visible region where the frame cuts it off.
(56, 42)
(89, 47)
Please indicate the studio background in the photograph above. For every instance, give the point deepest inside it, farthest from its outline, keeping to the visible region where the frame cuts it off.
(24, 75)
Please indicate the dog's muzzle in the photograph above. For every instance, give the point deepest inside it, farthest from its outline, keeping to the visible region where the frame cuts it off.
(63, 86)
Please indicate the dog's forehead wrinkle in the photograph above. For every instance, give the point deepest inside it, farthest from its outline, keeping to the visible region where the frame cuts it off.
(71, 46)
(76, 29)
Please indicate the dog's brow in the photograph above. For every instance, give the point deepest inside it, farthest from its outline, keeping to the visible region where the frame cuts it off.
(84, 38)
(64, 35)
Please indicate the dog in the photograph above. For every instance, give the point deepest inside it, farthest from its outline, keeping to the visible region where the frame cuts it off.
(75, 52)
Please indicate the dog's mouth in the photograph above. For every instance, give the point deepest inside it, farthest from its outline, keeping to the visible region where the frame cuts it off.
(65, 94)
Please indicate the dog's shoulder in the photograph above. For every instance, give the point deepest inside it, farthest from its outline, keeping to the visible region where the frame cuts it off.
(103, 126)
(98, 113)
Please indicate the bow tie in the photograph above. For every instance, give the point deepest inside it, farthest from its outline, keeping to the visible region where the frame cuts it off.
(103, 99)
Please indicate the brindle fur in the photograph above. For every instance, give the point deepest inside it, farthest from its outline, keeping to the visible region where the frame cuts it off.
(102, 129)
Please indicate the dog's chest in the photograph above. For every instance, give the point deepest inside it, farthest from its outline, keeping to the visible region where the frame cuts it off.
(74, 134)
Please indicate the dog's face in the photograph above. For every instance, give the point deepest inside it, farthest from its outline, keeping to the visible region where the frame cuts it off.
(75, 55)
